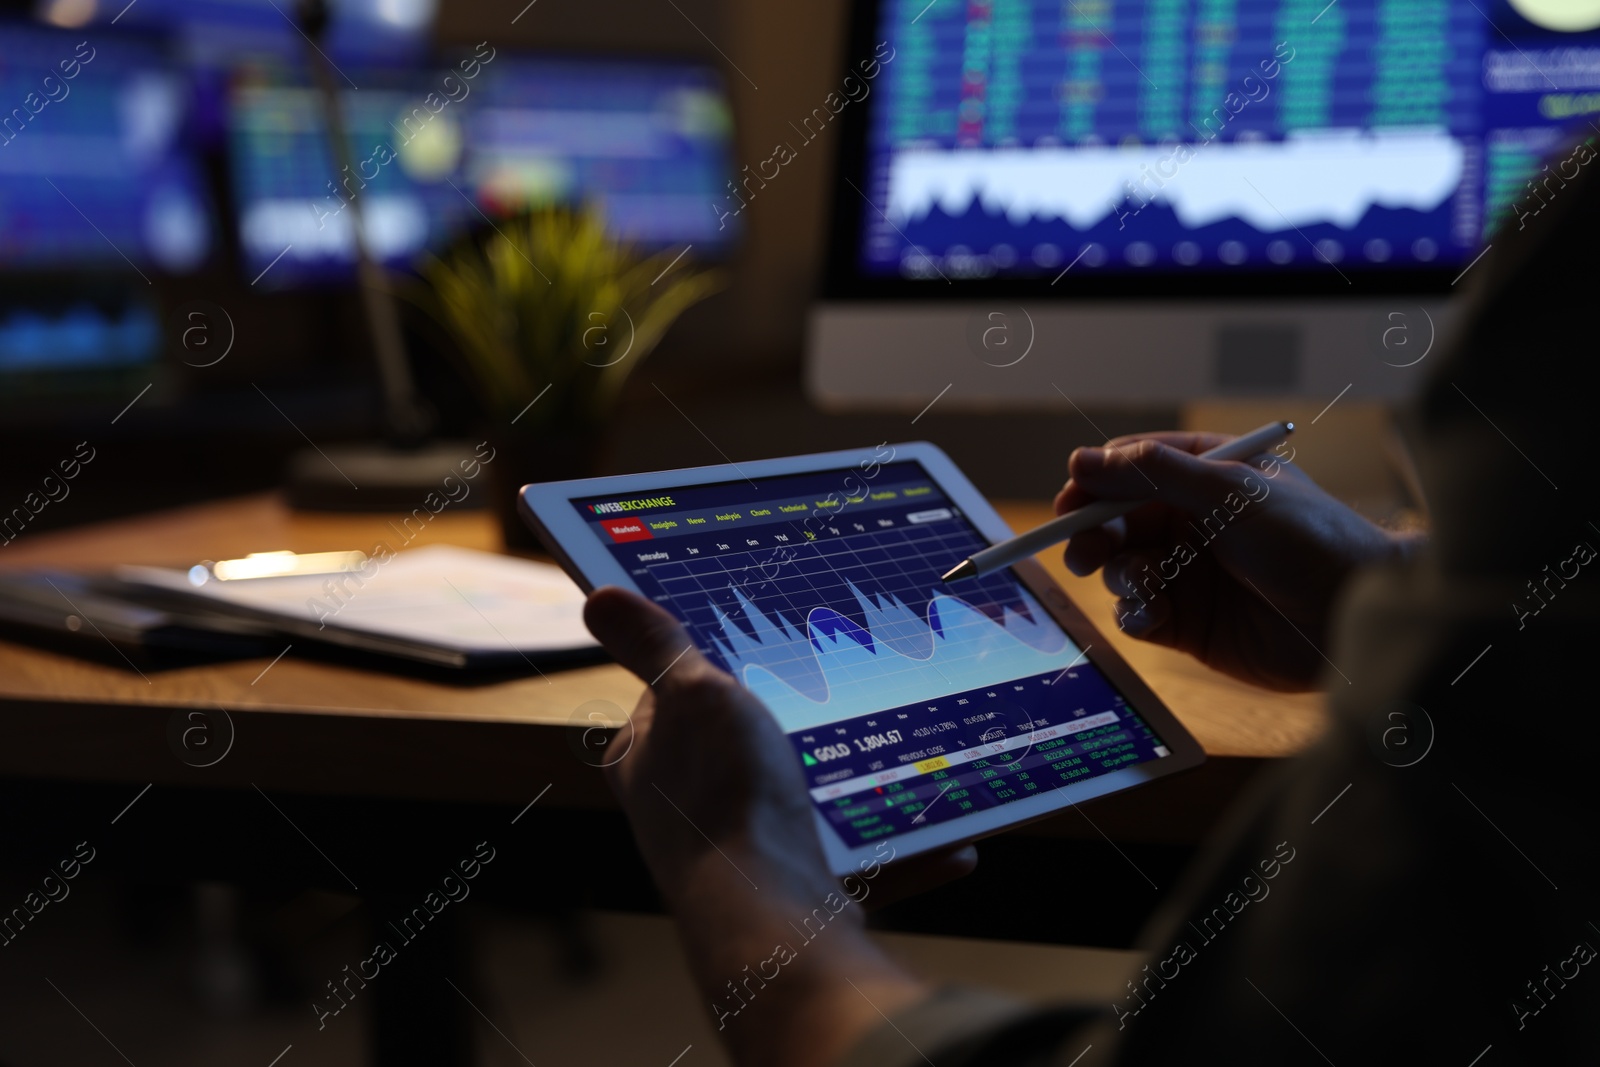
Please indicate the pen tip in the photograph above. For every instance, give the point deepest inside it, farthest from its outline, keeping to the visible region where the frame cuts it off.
(960, 570)
(1288, 427)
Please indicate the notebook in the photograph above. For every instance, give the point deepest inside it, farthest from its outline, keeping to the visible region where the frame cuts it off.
(441, 604)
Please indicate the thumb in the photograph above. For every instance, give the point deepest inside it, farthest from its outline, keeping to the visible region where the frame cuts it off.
(1153, 470)
(639, 634)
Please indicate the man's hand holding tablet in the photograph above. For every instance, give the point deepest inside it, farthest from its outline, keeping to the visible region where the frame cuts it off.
(720, 813)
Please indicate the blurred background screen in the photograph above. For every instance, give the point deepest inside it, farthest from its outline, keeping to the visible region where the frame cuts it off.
(217, 40)
(651, 141)
(98, 174)
(292, 195)
(1004, 138)
(646, 141)
(175, 223)
(108, 144)
(156, 152)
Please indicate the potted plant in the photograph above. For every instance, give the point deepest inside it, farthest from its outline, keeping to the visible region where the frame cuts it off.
(550, 316)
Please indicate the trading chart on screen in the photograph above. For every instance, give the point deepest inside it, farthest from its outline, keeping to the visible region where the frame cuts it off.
(1023, 137)
(908, 701)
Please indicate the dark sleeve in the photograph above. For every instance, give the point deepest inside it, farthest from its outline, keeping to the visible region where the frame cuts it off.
(1500, 434)
(964, 1027)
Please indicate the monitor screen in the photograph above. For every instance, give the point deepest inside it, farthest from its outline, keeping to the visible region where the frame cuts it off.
(650, 142)
(292, 197)
(647, 142)
(94, 167)
(215, 38)
(357, 30)
(1307, 142)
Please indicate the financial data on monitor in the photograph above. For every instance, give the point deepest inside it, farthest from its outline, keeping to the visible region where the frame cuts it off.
(908, 702)
(95, 169)
(1031, 137)
(644, 141)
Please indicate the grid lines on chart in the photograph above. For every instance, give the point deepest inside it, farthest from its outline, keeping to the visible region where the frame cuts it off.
(904, 563)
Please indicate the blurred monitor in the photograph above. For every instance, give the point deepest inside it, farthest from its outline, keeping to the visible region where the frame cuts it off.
(649, 141)
(356, 30)
(100, 331)
(214, 39)
(291, 195)
(1121, 186)
(646, 141)
(96, 179)
(94, 170)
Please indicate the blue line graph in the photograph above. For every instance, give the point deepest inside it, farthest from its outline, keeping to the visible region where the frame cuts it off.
(860, 623)
(908, 702)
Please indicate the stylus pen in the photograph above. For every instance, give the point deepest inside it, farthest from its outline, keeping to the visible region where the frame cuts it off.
(1101, 512)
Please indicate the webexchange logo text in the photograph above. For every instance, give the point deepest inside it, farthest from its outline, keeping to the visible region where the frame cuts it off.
(617, 506)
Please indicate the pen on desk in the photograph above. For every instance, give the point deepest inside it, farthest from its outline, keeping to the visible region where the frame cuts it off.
(1100, 512)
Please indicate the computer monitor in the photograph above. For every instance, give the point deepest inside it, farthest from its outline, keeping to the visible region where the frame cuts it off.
(647, 141)
(1158, 200)
(291, 195)
(94, 169)
(215, 39)
(97, 181)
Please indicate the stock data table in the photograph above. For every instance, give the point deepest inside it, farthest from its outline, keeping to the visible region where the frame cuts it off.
(1011, 137)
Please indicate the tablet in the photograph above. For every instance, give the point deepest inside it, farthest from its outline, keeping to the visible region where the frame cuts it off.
(922, 714)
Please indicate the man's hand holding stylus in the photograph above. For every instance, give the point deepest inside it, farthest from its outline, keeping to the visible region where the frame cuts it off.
(1225, 556)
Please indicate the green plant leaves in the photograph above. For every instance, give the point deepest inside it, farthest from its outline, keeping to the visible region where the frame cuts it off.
(548, 299)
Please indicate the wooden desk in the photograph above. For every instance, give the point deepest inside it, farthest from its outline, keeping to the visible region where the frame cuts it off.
(315, 727)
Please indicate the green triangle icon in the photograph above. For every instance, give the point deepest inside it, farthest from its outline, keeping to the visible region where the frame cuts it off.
(806, 760)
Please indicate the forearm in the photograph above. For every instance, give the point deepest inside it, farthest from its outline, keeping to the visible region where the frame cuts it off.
(782, 955)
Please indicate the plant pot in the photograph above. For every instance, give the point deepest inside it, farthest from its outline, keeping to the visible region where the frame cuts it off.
(542, 454)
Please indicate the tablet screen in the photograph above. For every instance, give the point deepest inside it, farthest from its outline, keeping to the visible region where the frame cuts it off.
(909, 702)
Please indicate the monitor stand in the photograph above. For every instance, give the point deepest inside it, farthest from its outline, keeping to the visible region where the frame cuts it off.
(377, 477)
(986, 354)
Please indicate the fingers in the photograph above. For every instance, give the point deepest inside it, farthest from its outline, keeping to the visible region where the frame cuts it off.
(1137, 459)
(1154, 470)
(1144, 619)
(1142, 609)
(1114, 472)
(640, 635)
(1122, 573)
(1088, 552)
(1191, 441)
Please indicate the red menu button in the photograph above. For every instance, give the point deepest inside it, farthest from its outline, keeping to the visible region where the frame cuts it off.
(626, 529)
